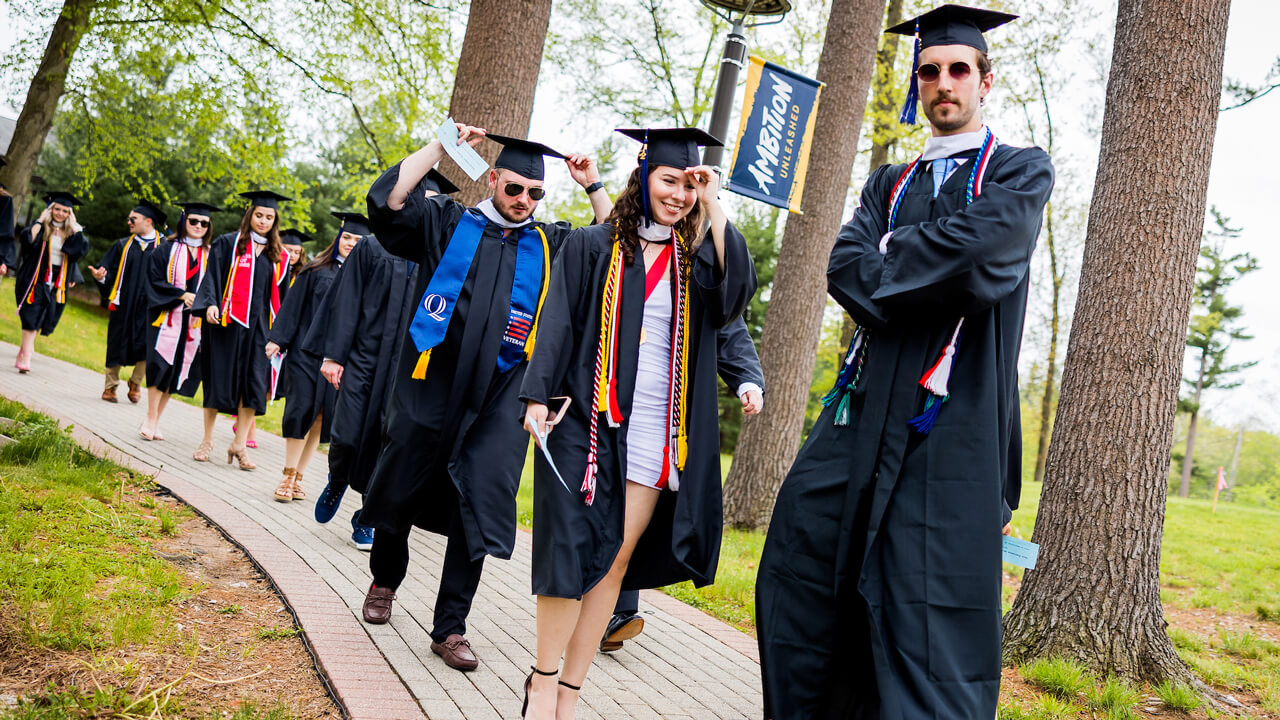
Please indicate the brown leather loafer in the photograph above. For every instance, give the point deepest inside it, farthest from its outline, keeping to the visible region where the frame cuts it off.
(377, 605)
(621, 628)
(135, 392)
(456, 652)
(109, 395)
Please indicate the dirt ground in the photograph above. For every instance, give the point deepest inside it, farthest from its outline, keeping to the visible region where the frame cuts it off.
(232, 641)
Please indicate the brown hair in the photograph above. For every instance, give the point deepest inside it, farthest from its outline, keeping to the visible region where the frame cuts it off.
(274, 246)
(984, 64)
(628, 212)
(181, 232)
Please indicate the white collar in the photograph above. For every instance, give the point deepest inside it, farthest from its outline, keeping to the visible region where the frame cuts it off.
(942, 146)
(492, 215)
(653, 232)
(341, 259)
(257, 238)
(192, 242)
(147, 238)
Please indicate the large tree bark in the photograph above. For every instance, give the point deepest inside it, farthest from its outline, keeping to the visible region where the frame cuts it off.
(497, 74)
(36, 118)
(793, 322)
(1095, 596)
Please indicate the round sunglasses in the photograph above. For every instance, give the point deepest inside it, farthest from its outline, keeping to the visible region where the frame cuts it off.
(931, 72)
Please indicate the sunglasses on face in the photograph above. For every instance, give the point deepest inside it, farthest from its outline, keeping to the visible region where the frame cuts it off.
(197, 222)
(514, 190)
(930, 72)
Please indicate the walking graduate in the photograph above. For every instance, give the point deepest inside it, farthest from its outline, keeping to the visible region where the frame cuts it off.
(122, 280)
(239, 298)
(8, 255)
(309, 408)
(878, 593)
(50, 252)
(453, 447)
(628, 335)
(369, 308)
(174, 271)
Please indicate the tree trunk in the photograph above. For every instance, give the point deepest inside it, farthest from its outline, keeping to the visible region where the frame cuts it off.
(882, 121)
(793, 322)
(497, 74)
(36, 118)
(1051, 360)
(1095, 596)
(1184, 487)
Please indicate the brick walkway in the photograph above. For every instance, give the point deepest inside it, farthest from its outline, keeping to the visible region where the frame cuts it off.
(685, 665)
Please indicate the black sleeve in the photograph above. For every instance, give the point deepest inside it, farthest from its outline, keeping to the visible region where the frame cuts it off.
(853, 272)
(405, 232)
(725, 294)
(1012, 490)
(736, 356)
(8, 256)
(111, 261)
(291, 322)
(161, 294)
(209, 294)
(74, 248)
(969, 261)
(344, 304)
(555, 341)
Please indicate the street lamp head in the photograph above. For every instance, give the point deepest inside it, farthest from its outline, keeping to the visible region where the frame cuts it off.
(737, 11)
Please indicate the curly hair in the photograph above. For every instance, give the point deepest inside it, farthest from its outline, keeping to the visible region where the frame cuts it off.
(628, 211)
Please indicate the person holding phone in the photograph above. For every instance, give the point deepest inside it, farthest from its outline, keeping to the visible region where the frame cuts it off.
(452, 447)
(630, 333)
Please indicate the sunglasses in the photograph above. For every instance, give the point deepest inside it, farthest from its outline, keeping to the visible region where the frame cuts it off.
(930, 72)
(197, 222)
(514, 190)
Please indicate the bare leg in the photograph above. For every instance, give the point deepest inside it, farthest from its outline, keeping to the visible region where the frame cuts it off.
(556, 619)
(28, 345)
(253, 427)
(155, 405)
(210, 421)
(293, 450)
(598, 603)
(244, 419)
(312, 442)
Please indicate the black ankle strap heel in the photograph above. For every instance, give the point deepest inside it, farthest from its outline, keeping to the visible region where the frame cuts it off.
(528, 682)
(575, 688)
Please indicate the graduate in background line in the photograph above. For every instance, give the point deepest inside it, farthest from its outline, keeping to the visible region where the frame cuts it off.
(174, 270)
(629, 334)
(308, 411)
(122, 280)
(453, 449)
(50, 252)
(878, 593)
(369, 307)
(240, 297)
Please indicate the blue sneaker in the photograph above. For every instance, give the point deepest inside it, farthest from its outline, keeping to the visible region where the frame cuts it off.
(328, 502)
(362, 537)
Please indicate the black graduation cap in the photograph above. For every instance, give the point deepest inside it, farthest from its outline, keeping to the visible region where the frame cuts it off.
(522, 157)
(672, 147)
(435, 181)
(352, 223)
(198, 208)
(146, 208)
(265, 198)
(293, 236)
(60, 197)
(945, 25)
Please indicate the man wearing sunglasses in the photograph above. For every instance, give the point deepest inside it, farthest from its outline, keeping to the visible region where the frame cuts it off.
(452, 447)
(122, 281)
(879, 586)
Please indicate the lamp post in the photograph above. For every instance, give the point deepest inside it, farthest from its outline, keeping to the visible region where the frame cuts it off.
(734, 58)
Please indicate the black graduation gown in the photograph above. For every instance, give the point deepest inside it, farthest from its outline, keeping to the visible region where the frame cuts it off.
(127, 326)
(164, 312)
(233, 364)
(878, 593)
(309, 394)
(368, 312)
(737, 361)
(8, 254)
(43, 311)
(575, 544)
(450, 440)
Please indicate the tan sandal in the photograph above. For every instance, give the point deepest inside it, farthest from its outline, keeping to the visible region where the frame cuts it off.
(202, 453)
(242, 458)
(284, 491)
(298, 494)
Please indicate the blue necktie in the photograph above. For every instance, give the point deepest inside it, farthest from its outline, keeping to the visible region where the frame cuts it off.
(941, 171)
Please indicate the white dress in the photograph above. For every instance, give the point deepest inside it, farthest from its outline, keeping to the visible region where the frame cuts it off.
(649, 428)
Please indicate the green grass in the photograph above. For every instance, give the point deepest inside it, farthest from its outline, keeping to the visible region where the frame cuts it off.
(1177, 696)
(55, 704)
(81, 339)
(1113, 695)
(75, 569)
(1061, 678)
(1245, 645)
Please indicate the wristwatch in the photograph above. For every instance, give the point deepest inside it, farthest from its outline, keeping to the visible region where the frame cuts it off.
(593, 187)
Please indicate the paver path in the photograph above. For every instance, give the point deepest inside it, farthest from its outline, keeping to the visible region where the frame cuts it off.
(685, 665)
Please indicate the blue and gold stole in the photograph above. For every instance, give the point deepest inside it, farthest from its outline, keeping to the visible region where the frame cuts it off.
(528, 290)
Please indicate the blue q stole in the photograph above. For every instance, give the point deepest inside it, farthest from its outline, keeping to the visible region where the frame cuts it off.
(435, 309)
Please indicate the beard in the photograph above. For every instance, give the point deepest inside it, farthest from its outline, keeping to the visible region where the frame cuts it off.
(511, 215)
(959, 116)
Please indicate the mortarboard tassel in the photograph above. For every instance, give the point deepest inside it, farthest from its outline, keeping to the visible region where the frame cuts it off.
(644, 180)
(908, 116)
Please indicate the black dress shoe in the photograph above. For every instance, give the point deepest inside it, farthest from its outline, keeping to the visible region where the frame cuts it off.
(621, 628)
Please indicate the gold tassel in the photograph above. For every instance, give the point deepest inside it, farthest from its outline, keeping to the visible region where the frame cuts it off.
(420, 370)
(160, 318)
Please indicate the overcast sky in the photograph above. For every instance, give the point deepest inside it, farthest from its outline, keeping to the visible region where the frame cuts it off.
(1244, 185)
